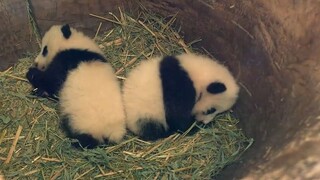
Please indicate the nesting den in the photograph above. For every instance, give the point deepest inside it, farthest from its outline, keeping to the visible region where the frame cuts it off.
(272, 49)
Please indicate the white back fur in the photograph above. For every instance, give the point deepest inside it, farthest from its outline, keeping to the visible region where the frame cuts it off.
(203, 71)
(91, 96)
(56, 42)
(142, 94)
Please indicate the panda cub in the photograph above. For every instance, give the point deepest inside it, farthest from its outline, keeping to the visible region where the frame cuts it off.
(72, 66)
(165, 95)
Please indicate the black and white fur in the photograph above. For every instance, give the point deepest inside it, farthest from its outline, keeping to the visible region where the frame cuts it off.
(72, 66)
(165, 95)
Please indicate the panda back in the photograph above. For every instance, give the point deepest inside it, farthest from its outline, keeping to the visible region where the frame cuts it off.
(142, 95)
(91, 98)
(178, 94)
(158, 97)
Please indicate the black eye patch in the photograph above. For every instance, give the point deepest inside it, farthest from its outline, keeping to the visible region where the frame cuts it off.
(209, 111)
(45, 51)
(216, 88)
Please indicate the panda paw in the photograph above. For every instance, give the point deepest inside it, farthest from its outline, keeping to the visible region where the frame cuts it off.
(40, 93)
(32, 74)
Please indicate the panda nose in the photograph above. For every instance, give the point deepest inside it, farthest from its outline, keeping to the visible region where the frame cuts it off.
(209, 111)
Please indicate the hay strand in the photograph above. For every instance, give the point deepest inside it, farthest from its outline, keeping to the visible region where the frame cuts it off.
(14, 144)
(98, 30)
(243, 29)
(57, 174)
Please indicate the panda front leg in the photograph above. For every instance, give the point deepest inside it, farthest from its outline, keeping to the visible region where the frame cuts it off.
(36, 79)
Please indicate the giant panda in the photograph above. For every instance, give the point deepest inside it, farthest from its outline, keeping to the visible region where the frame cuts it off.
(72, 66)
(164, 95)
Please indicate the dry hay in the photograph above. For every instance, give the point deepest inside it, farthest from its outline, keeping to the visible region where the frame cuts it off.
(32, 145)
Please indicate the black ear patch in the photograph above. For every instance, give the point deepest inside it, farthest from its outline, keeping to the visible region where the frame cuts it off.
(216, 88)
(66, 31)
(45, 51)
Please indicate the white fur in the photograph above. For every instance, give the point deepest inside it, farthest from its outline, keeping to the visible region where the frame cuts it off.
(203, 71)
(91, 97)
(142, 94)
(55, 42)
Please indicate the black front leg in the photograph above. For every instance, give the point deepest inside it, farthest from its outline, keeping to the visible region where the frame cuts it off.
(46, 83)
(34, 76)
(40, 93)
(49, 81)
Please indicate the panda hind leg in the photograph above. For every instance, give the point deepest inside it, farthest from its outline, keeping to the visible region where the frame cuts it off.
(151, 130)
(84, 140)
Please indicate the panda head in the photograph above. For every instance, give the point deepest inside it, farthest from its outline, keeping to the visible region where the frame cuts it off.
(59, 38)
(217, 90)
(216, 98)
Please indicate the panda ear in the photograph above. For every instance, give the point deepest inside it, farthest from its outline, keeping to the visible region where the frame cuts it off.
(216, 88)
(66, 31)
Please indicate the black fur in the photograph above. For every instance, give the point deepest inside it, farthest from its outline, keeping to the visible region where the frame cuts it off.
(151, 130)
(179, 94)
(84, 140)
(216, 88)
(43, 94)
(56, 73)
(45, 51)
(66, 31)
